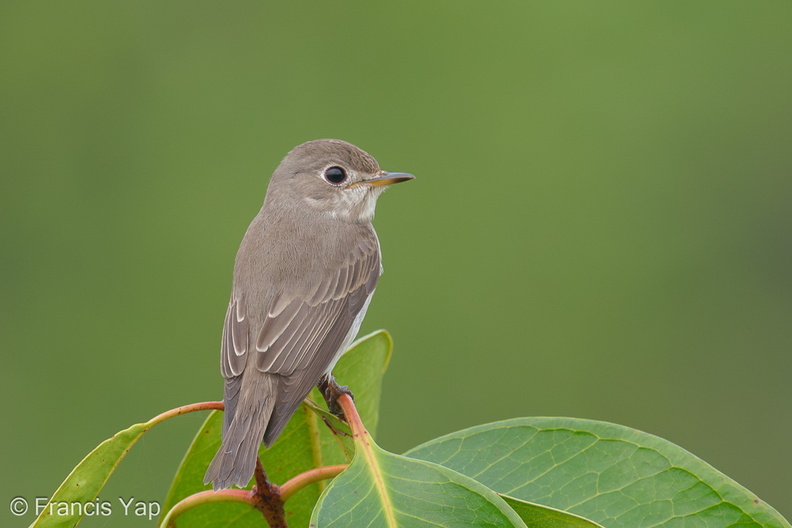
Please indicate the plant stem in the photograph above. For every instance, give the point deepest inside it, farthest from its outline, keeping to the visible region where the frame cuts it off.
(366, 449)
(267, 498)
(184, 409)
(251, 497)
(353, 418)
(309, 477)
(205, 497)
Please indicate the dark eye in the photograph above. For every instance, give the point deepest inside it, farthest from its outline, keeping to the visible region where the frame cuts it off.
(335, 175)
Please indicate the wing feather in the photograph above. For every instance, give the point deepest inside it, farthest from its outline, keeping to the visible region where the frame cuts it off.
(234, 343)
(274, 326)
(305, 338)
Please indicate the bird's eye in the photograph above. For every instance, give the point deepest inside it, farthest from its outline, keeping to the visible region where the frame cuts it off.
(335, 175)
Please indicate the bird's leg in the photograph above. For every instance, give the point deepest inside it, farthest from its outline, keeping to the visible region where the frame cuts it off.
(331, 391)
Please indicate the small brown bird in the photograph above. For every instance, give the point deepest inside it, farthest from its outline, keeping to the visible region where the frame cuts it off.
(304, 275)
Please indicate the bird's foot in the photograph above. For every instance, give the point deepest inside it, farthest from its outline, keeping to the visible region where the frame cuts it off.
(331, 391)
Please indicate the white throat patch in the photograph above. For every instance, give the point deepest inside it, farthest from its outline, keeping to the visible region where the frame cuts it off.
(356, 203)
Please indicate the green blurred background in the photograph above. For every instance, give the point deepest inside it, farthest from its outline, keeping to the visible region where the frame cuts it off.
(600, 228)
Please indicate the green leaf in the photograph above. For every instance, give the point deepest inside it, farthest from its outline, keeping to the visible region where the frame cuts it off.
(538, 516)
(380, 489)
(614, 475)
(85, 481)
(88, 478)
(306, 443)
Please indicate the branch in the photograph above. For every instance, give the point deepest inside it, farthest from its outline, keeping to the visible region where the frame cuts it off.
(271, 496)
(267, 499)
(184, 409)
(309, 477)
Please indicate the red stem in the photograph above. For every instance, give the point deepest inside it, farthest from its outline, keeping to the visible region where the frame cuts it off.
(205, 497)
(184, 409)
(352, 417)
(298, 482)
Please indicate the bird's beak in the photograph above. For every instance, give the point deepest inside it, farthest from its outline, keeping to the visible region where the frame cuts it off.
(388, 178)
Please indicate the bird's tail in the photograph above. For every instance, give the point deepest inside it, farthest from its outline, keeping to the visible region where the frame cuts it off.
(235, 461)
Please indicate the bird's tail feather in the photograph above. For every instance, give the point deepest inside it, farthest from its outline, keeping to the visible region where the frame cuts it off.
(235, 461)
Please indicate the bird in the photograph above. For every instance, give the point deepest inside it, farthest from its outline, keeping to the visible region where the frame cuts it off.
(304, 275)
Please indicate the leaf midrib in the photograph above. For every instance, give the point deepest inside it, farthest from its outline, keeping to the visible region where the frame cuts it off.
(372, 462)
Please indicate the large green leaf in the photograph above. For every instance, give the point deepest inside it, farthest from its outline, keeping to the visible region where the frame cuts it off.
(380, 489)
(306, 443)
(85, 481)
(616, 476)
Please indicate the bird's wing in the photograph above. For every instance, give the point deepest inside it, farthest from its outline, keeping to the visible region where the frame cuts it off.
(306, 331)
(300, 335)
(300, 338)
